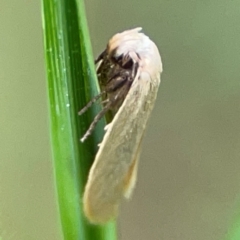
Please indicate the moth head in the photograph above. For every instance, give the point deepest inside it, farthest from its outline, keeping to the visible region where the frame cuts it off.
(124, 60)
(131, 47)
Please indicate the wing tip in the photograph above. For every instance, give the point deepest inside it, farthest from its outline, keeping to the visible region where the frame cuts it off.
(99, 214)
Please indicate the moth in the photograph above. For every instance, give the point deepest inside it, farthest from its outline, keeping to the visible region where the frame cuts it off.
(129, 75)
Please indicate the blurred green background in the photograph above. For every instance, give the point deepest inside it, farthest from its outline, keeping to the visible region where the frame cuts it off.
(189, 182)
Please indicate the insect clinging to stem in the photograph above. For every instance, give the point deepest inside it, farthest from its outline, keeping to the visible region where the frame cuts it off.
(129, 75)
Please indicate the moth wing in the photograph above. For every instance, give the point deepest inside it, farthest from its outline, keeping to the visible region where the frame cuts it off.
(119, 150)
(131, 176)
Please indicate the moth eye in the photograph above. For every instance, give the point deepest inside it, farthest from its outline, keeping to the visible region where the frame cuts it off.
(127, 63)
(123, 61)
(116, 59)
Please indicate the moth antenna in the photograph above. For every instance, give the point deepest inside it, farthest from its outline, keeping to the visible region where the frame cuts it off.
(101, 56)
(95, 121)
(90, 103)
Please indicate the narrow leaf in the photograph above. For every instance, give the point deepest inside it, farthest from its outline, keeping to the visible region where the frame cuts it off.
(71, 83)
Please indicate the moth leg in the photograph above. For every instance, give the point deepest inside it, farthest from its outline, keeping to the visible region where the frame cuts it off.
(90, 103)
(116, 84)
(105, 101)
(95, 121)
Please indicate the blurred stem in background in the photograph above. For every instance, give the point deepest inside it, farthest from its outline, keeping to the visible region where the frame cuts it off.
(234, 230)
(71, 83)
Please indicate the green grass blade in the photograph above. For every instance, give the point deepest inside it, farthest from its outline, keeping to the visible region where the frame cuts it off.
(71, 83)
